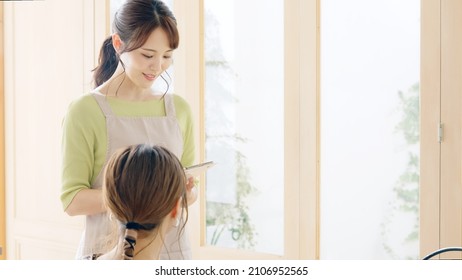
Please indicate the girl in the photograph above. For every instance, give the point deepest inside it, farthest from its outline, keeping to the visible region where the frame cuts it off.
(144, 192)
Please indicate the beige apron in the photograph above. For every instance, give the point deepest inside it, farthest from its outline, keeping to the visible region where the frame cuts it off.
(121, 132)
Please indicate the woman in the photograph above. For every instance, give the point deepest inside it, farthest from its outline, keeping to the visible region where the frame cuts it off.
(124, 110)
(144, 192)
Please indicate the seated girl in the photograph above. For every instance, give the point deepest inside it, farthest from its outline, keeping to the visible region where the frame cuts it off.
(144, 190)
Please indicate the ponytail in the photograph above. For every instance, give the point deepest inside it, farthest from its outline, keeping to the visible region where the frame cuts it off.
(131, 235)
(108, 61)
(129, 243)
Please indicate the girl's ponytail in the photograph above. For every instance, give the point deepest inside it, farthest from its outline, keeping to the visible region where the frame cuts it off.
(108, 61)
(131, 235)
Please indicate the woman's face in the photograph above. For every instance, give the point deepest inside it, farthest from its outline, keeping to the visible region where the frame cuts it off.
(145, 64)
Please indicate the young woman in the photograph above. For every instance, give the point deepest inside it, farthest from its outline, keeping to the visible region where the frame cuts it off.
(145, 194)
(124, 110)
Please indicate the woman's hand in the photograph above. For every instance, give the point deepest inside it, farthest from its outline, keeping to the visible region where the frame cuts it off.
(191, 191)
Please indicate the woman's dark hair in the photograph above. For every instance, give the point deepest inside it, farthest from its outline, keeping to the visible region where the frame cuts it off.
(134, 23)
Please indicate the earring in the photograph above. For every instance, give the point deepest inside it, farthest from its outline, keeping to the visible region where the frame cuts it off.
(177, 222)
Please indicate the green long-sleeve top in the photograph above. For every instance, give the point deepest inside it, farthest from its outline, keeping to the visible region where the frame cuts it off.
(84, 139)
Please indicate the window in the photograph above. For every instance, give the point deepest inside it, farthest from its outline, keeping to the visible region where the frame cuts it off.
(370, 75)
(244, 133)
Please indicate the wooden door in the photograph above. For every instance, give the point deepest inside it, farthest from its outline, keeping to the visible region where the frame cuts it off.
(49, 53)
(451, 119)
(441, 132)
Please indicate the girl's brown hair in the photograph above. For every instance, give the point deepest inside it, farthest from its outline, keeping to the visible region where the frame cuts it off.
(142, 185)
(134, 22)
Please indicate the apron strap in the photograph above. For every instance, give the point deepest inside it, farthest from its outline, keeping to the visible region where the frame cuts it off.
(103, 104)
(169, 106)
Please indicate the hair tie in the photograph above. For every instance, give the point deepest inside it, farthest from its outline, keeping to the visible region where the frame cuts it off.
(136, 226)
(133, 225)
